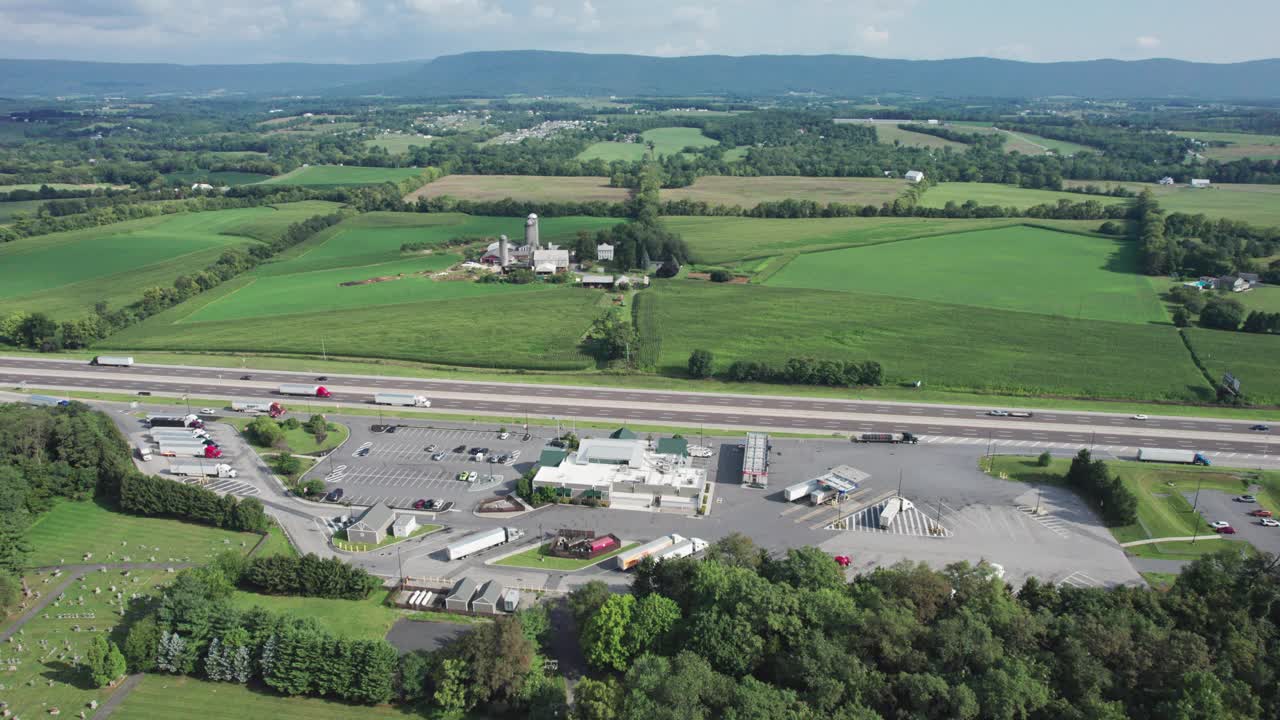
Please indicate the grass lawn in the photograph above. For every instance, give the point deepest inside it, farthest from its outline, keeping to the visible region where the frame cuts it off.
(55, 186)
(299, 440)
(48, 674)
(1256, 204)
(398, 143)
(1238, 145)
(949, 347)
(167, 696)
(64, 274)
(535, 188)
(71, 529)
(890, 134)
(751, 191)
(9, 209)
(277, 543)
(1187, 550)
(666, 141)
(1254, 359)
(1159, 580)
(539, 559)
(342, 175)
(340, 539)
(1005, 195)
(216, 177)
(1014, 268)
(367, 619)
(1024, 143)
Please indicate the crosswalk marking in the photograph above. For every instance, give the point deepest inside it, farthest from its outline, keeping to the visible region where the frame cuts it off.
(1081, 580)
(908, 522)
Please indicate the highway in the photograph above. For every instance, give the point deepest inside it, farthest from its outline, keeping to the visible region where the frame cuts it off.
(728, 411)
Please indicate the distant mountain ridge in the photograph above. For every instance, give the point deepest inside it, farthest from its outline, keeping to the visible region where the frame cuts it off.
(537, 72)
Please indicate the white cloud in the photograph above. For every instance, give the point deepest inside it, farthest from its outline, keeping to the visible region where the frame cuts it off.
(460, 13)
(1147, 42)
(870, 35)
(589, 19)
(702, 19)
(543, 12)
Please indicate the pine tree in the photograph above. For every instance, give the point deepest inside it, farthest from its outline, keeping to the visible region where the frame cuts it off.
(214, 663)
(171, 656)
(267, 660)
(241, 665)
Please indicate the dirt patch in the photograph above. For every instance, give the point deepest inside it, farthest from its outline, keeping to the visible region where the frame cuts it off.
(707, 276)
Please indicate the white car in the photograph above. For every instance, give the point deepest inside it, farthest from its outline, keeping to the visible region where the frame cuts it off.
(471, 476)
(1219, 524)
(999, 413)
(1139, 417)
(1269, 522)
(207, 411)
(504, 435)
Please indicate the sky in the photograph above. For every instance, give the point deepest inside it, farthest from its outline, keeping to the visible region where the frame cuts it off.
(359, 31)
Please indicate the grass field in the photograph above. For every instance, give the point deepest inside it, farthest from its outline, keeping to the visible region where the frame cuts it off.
(1257, 204)
(366, 619)
(1024, 143)
(300, 441)
(398, 143)
(47, 673)
(64, 274)
(538, 558)
(216, 178)
(10, 209)
(734, 239)
(522, 187)
(55, 186)
(277, 543)
(1254, 359)
(167, 696)
(890, 134)
(1240, 145)
(1015, 268)
(1003, 195)
(750, 191)
(342, 175)
(947, 346)
(71, 529)
(666, 141)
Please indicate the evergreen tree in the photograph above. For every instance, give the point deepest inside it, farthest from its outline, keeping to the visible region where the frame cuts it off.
(171, 656)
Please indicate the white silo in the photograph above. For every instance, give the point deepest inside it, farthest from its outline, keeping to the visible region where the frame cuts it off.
(504, 252)
(531, 231)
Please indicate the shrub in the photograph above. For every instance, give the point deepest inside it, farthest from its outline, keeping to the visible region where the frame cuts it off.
(1045, 459)
(721, 276)
(701, 364)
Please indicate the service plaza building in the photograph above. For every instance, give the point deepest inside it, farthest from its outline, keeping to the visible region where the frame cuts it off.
(629, 473)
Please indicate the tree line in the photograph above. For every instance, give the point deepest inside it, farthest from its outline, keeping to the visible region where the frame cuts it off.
(152, 496)
(309, 576)
(795, 371)
(1105, 492)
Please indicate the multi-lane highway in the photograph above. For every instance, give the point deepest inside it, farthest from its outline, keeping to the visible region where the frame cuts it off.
(780, 413)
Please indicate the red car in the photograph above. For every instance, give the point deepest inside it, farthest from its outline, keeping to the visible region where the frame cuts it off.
(1225, 530)
(419, 504)
(843, 561)
(1261, 513)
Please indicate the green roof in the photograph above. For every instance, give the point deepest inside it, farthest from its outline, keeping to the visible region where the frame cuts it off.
(673, 446)
(552, 457)
(623, 434)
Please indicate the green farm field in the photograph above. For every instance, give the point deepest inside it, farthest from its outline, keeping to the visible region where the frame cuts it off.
(398, 143)
(890, 134)
(8, 210)
(55, 186)
(71, 529)
(1254, 359)
(1239, 145)
(522, 187)
(715, 240)
(750, 191)
(342, 175)
(64, 274)
(1020, 268)
(1004, 195)
(167, 696)
(666, 141)
(218, 177)
(1256, 204)
(948, 346)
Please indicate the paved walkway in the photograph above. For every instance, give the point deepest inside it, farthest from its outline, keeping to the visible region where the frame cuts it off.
(1189, 538)
(110, 704)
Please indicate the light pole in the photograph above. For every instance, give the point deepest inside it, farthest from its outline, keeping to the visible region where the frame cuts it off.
(187, 397)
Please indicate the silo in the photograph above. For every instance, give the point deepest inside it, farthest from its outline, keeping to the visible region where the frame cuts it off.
(504, 253)
(531, 231)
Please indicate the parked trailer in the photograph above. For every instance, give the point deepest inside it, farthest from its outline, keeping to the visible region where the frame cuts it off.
(192, 421)
(208, 452)
(601, 544)
(799, 490)
(682, 549)
(414, 597)
(405, 399)
(631, 558)
(821, 495)
(144, 451)
(112, 361)
(1186, 457)
(308, 390)
(425, 601)
(891, 509)
(274, 409)
(482, 540)
(894, 437)
(47, 400)
(192, 444)
(178, 432)
(220, 470)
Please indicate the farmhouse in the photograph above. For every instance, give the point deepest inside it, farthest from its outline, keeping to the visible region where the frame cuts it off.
(604, 251)
(1166, 180)
(914, 176)
(371, 528)
(1234, 283)
(1199, 183)
(628, 474)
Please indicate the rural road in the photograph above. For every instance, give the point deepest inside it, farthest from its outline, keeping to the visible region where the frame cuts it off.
(727, 411)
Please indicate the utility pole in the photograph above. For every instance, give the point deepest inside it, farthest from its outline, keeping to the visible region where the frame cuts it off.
(1196, 504)
(1039, 493)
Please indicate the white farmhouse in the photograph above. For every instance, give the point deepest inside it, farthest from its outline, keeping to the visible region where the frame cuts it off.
(914, 176)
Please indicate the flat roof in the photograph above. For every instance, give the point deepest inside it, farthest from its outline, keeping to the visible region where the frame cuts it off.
(755, 459)
(609, 451)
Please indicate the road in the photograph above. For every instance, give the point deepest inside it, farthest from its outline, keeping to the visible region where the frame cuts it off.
(728, 411)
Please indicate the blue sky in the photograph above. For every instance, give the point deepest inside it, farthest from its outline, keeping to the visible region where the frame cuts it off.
(235, 31)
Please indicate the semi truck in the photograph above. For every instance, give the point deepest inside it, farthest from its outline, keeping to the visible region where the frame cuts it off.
(209, 452)
(821, 495)
(112, 361)
(47, 400)
(799, 490)
(631, 558)
(894, 437)
(144, 451)
(219, 470)
(682, 549)
(308, 390)
(273, 409)
(184, 421)
(178, 434)
(1186, 457)
(891, 509)
(405, 399)
(483, 540)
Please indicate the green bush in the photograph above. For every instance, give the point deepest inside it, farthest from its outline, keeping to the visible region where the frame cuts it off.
(1045, 459)
(721, 276)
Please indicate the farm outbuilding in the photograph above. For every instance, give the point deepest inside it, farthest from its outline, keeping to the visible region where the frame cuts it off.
(914, 176)
(1200, 183)
(371, 528)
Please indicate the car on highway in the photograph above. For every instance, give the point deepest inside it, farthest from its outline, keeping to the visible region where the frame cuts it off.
(1269, 522)
(1260, 513)
(421, 504)
(1225, 530)
(144, 393)
(1261, 428)
(246, 377)
(471, 476)
(334, 495)
(1218, 524)
(503, 435)
(998, 413)
(437, 456)
(322, 378)
(1246, 499)
(207, 411)
(1139, 417)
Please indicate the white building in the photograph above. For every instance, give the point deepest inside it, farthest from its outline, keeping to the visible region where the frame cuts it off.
(404, 525)
(1166, 180)
(549, 260)
(604, 251)
(629, 475)
(201, 186)
(1199, 183)
(914, 176)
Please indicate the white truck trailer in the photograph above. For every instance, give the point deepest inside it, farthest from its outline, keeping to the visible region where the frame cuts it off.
(405, 399)
(270, 407)
(683, 549)
(307, 390)
(185, 433)
(1186, 457)
(631, 558)
(112, 361)
(483, 540)
(220, 470)
(890, 511)
(144, 451)
(799, 490)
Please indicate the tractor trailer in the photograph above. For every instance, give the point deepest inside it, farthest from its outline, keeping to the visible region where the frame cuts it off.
(308, 390)
(799, 490)
(405, 399)
(208, 452)
(891, 509)
(1186, 457)
(179, 433)
(483, 540)
(274, 409)
(682, 549)
(218, 470)
(185, 421)
(112, 361)
(896, 437)
(631, 558)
